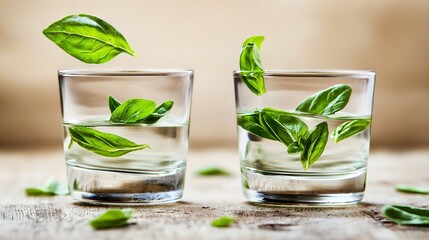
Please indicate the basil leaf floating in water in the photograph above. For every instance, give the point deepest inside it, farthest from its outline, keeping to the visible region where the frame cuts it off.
(406, 215)
(50, 188)
(101, 143)
(252, 124)
(223, 221)
(113, 104)
(328, 101)
(251, 65)
(285, 127)
(112, 218)
(133, 110)
(350, 128)
(159, 112)
(412, 189)
(314, 145)
(88, 38)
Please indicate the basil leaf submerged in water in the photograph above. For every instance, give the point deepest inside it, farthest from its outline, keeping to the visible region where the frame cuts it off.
(285, 127)
(412, 189)
(406, 215)
(113, 104)
(133, 110)
(50, 188)
(314, 145)
(252, 124)
(88, 38)
(112, 218)
(251, 65)
(350, 128)
(159, 112)
(328, 101)
(223, 221)
(105, 144)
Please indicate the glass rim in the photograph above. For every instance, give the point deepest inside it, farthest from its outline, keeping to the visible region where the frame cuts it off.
(314, 73)
(125, 72)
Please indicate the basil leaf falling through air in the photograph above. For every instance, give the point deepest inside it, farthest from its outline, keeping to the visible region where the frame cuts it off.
(251, 65)
(88, 38)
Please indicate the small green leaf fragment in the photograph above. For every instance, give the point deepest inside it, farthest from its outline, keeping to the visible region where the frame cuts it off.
(112, 218)
(212, 171)
(314, 145)
(101, 143)
(406, 215)
(412, 189)
(223, 222)
(326, 102)
(50, 188)
(113, 104)
(88, 38)
(350, 128)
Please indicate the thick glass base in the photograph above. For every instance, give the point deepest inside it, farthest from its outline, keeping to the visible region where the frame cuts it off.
(283, 189)
(107, 187)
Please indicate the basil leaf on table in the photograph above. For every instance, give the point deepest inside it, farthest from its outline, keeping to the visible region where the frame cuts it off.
(314, 145)
(133, 110)
(50, 188)
(212, 171)
(328, 101)
(251, 65)
(223, 222)
(350, 128)
(252, 124)
(113, 104)
(159, 112)
(406, 215)
(88, 38)
(412, 189)
(112, 218)
(105, 144)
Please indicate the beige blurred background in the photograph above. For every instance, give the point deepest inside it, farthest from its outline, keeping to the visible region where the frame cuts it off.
(390, 37)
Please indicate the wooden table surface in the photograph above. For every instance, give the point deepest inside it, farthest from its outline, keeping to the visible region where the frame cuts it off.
(206, 198)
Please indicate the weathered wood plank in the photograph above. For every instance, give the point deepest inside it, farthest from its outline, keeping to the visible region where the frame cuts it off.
(23, 217)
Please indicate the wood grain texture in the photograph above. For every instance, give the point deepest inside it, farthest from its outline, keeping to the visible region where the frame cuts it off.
(206, 198)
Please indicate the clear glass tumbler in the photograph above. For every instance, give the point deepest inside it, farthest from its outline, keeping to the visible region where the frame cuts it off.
(126, 134)
(306, 141)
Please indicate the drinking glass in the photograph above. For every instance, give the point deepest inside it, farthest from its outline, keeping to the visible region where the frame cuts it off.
(307, 157)
(130, 161)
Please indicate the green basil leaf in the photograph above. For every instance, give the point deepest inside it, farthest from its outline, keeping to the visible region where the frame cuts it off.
(112, 218)
(350, 128)
(314, 145)
(252, 124)
(223, 222)
(159, 112)
(212, 171)
(294, 147)
(251, 65)
(412, 189)
(101, 143)
(254, 39)
(133, 110)
(88, 38)
(50, 188)
(406, 215)
(286, 127)
(113, 104)
(328, 101)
